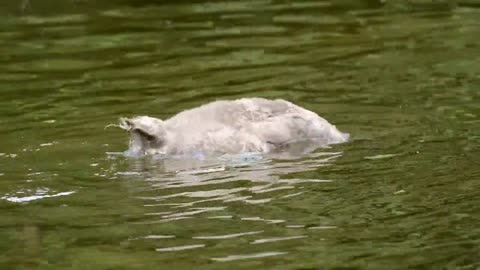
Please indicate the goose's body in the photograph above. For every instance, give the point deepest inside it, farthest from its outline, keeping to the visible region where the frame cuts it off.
(236, 126)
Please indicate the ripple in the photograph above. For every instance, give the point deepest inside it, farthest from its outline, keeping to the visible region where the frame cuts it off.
(198, 194)
(322, 227)
(53, 65)
(387, 75)
(369, 66)
(154, 237)
(165, 220)
(156, 213)
(202, 171)
(384, 156)
(320, 20)
(248, 256)
(226, 236)
(159, 236)
(259, 201)
(266, 190)
(240, 31)
(228, 6)
(179, 248)
(41, 194)
(70, 18)
(295, 226)
(295, 6)
(220, 217)
(277, 239)
(292, 195)
(194, 212)
(128, 173)
(271, 221)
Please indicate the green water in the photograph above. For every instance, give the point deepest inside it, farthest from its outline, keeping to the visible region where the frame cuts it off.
(402, 78)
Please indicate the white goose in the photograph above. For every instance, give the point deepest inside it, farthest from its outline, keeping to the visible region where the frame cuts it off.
(231, 127)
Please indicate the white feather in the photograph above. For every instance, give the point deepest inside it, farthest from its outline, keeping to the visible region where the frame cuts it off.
(236, 126)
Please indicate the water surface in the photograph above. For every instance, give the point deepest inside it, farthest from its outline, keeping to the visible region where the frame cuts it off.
(401, 78)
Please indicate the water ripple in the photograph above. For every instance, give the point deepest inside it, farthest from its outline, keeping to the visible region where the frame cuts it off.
(249, 256)
(277, 239)
(226, 236)
(40, 194)
(179, 248)
(400, 76)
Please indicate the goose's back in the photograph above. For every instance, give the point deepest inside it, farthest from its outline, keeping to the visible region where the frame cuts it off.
(250, 124)
(234, 113)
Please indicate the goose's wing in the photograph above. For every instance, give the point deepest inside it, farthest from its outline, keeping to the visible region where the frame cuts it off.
(283, 129)
(280, 122)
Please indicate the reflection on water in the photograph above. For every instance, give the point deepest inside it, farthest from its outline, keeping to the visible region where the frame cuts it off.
(400, 76)
(178, 187)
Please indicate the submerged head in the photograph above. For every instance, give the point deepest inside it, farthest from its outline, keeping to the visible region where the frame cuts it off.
(147, 134)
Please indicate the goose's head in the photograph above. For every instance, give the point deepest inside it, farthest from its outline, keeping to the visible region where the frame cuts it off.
(147, 134)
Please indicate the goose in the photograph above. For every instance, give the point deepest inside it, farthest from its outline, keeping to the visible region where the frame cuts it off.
(230, 127)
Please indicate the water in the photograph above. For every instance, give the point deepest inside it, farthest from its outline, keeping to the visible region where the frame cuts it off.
(402, 78)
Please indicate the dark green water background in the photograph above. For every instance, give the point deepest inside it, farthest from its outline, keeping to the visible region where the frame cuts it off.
(402, 77)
